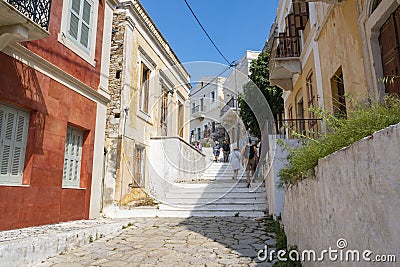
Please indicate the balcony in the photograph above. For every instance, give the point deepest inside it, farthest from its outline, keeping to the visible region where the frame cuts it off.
(198, 111)
(285, 61)
(23, 20)
(228, 112)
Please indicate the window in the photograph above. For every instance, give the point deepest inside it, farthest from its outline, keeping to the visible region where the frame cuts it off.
(72, 158)
(164, 113)
(198, 133)
(181, 117)
(144, 88)
(310, 92)
(212, 97)
(80, 23)
(13, 134)
(193, 107)
(139, 167)
(201, 104)
(338, 94)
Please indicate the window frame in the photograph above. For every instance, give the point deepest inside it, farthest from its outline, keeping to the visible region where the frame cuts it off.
(144, 88)
(74, 45)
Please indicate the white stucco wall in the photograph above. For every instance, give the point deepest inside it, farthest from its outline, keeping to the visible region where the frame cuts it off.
(99, 141)
(355, 196)
(276, 160)
(171, 161)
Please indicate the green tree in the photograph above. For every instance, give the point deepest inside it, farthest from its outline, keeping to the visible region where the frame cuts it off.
(259, 79)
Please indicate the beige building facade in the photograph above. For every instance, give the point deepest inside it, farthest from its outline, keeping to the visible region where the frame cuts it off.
(149, 99)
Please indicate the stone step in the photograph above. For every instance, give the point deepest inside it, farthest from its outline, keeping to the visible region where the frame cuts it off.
(215, 207)
(175, 201)
(219, 183)
(153, 212)
(211, 189)
(208, 195)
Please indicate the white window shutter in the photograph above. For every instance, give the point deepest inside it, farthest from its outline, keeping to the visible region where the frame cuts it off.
(18, 158)
(80, 22)
(72, 158)
(13, 134)
(86, 23)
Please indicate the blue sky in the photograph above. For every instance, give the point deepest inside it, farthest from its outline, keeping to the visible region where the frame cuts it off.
(234, 25)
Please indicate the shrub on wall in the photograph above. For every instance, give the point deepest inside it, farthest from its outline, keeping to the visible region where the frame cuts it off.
(363, 120)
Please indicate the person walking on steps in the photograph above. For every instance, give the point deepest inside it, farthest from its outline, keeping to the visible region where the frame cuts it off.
(248, 154)
(226, 149)
(235, 159)
(198, 146)
(216, 150)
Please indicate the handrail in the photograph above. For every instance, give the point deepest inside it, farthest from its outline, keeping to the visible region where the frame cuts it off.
(180, 139)
(230, 104)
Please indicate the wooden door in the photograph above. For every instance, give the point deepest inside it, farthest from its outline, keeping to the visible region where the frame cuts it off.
(390, 49)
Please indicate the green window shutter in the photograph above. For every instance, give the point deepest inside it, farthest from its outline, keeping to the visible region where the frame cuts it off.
(72, 158)
(13, 134)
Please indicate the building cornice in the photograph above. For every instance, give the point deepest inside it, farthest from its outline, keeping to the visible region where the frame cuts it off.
(38, 63)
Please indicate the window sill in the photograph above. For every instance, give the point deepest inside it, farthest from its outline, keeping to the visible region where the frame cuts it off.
(72, 187)
(144, 116)
(74, 48)
(15, 185)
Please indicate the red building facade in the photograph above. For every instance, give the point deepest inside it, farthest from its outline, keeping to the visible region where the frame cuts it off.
(49, 103)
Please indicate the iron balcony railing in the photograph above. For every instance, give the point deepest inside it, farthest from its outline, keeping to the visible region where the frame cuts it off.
(36, 10)
(307, 127)
(230, 104)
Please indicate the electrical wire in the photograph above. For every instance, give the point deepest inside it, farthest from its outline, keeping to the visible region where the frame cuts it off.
(209, 37)
(216, 77)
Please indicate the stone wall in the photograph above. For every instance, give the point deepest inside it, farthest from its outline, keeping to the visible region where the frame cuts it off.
(355, 196)
(114, 109)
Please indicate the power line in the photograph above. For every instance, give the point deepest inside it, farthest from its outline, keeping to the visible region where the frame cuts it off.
(216, 77)
(198, 21)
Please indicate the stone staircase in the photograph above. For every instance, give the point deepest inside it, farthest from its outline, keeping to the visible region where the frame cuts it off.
(215, 194)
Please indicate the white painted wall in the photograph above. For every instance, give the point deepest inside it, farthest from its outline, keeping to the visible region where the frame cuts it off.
(355, 196)
(171, 161)
(99, 139)
(276, 160)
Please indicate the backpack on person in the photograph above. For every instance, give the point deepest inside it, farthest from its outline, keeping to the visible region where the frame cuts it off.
(249, 152)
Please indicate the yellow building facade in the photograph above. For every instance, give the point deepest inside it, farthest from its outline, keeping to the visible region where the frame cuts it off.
(331, 54)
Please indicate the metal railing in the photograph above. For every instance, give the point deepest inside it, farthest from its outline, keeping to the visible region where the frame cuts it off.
(197, 108)
(230, 104)
(288, 46)
(307, 127)
(36, 10)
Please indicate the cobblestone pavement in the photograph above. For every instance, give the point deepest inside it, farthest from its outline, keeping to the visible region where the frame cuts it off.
(195, 241)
